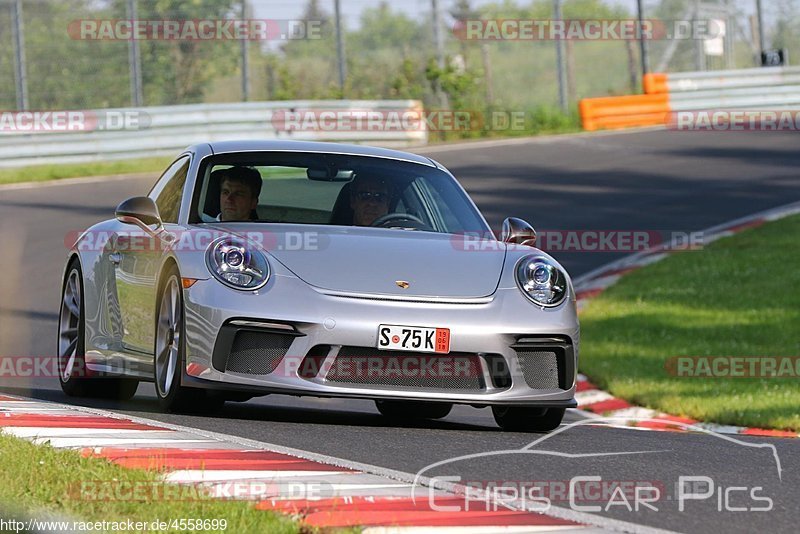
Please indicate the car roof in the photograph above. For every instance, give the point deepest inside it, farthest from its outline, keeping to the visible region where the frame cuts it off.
(278, 145)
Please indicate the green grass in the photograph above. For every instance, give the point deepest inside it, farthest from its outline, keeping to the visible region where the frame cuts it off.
(736, 297)
(40, 173)
(540, 120)
(41, 478)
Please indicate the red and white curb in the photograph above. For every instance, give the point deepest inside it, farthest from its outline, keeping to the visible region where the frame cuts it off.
(229, 467)
(598, 402)
(594, 401)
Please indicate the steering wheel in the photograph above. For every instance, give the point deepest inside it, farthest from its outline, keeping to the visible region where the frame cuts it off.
(397, 217)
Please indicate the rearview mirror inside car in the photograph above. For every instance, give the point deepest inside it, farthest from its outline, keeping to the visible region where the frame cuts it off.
(330, 175)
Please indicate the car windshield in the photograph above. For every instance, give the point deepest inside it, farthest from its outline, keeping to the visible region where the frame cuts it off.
(332, 189)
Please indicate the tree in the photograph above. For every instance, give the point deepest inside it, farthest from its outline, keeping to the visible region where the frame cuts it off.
(180, 71)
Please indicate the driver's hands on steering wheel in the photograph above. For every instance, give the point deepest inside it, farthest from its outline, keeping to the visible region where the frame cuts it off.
(394, 219)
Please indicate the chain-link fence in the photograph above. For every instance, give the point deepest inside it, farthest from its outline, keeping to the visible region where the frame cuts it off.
(73, 61)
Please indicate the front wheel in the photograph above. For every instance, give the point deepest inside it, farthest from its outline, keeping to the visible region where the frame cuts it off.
(170, 353)
(411, 410)
(523, 419)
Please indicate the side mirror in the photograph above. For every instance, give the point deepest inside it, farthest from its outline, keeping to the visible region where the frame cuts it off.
(142, 212)
(518, 232)
(138, 209)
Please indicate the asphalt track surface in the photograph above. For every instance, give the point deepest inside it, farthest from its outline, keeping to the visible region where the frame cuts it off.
(646, 180)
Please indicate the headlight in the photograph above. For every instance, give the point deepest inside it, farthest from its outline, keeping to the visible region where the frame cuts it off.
(237, 265)
(541, 281)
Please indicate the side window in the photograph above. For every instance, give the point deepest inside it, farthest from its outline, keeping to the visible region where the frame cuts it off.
(169, 190)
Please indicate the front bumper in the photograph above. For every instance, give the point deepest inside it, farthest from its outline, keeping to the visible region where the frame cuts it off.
(507, 345)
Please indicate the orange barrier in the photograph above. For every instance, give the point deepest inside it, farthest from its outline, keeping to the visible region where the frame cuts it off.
(624, 111)
(655, 83)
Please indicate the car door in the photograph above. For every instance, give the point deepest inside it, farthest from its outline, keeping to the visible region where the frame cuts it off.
(137, 255)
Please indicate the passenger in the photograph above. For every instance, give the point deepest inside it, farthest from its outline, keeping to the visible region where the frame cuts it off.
(369, 198)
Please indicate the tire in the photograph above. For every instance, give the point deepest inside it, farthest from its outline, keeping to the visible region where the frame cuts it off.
(75, 379)
(169, 354)
(413, 410)
(518, 419)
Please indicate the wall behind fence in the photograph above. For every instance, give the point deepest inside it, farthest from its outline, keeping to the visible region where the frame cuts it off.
(161, 131)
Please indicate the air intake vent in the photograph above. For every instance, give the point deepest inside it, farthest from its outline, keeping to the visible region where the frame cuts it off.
(539, 368)
(257, 353)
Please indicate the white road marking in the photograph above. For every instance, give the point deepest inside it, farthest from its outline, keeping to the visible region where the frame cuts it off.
(635, 412)
(187, 476)
(70, 443)
(720, 429)
(43, 432)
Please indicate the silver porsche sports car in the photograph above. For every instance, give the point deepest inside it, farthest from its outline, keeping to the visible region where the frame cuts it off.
(329, 270)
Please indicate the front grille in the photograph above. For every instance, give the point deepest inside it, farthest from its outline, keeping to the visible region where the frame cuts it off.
(539, 368)
(257, 353)
(368, 366)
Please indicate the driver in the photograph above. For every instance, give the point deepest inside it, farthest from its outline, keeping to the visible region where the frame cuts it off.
(369, 198)
(239, 191)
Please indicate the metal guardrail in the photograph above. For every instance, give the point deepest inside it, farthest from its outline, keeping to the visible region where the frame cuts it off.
(749, 98)
(773, 89)
(172, 128)
(680, 82)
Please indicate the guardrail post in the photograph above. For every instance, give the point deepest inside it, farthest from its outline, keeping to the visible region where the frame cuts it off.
(134, 61)
(438, 40)
(245, 60)
(340, 47)
(642, 42)
(20, 66)
(761, 39)
(562, 77)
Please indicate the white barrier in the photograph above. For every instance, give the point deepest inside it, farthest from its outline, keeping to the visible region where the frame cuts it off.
(727, 79)
(773, 88)
(164, 130)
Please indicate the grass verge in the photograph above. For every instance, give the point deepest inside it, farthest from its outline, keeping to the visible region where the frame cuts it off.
(499, 124)
(41, 173)
(40, 478)
(736, 297)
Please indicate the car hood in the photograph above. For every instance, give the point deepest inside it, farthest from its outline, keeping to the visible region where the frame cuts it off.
(376, 261)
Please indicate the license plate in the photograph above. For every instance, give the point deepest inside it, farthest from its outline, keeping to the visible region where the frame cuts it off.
(414, 338)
